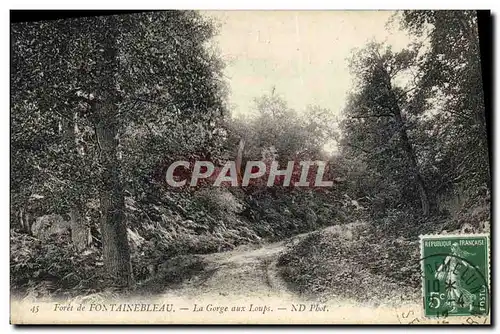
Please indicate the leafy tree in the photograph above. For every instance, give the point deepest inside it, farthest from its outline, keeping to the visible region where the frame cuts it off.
(378, 116)
(285, 130)
(436, 145)
(451, 83)
(109, 77)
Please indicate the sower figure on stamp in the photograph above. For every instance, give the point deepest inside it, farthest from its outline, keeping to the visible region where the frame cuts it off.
(457, 293)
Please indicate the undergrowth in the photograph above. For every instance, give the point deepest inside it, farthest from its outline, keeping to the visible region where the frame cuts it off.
(375, 262)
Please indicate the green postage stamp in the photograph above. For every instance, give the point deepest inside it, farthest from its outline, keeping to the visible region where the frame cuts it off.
(455, 274)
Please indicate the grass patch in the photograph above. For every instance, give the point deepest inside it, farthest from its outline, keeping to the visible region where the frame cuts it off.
(353, 262)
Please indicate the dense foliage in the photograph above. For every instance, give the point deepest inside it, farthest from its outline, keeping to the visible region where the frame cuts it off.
(94, 104)
(414, 139)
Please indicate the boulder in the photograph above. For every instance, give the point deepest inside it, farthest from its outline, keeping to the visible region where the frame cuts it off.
(51, 225)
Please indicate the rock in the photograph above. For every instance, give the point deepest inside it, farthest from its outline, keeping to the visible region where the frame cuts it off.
(134, 238)
(47, 226)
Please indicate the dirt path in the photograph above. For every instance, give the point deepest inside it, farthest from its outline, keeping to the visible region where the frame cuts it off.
(248, 276)
(247, 270)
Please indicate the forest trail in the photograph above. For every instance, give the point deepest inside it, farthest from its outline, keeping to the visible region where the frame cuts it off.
(248, 275)
(248, 270)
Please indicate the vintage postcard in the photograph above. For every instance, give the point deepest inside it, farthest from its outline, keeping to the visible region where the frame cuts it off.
(250, 167)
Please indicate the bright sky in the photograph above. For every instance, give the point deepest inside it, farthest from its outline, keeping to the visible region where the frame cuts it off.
(301, 53)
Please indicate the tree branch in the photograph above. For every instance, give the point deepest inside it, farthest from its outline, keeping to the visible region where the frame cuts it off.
(151, 102)
(368, 116)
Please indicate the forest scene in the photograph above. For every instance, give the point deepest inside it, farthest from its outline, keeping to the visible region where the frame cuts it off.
(102, 105)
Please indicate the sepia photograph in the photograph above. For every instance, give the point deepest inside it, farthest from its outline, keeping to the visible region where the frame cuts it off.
(250, 167)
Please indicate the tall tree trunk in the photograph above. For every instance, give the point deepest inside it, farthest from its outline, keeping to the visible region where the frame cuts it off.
(113, 230)
(412, 158)
(239, 159)
(25, 220)
(116, 249)
(79, 232)
(408, 148)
